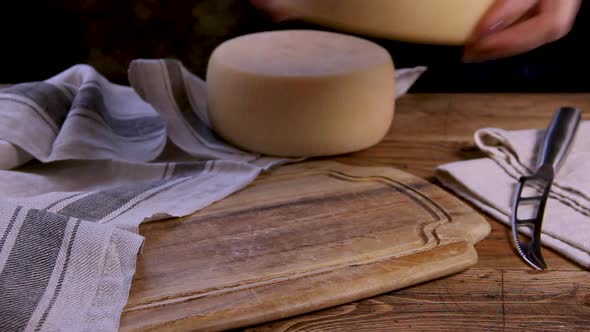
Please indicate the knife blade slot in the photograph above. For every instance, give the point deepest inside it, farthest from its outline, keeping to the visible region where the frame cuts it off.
(527, 209)
(531, 188)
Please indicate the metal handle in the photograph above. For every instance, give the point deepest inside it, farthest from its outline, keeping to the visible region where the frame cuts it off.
(559, 136)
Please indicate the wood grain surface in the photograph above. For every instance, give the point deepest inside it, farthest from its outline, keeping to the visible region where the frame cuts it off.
(476, 300)
(500, 293)
(303, 237)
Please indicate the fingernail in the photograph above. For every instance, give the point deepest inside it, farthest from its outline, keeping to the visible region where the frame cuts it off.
(491, 29)
(499, 25)
(496, 26)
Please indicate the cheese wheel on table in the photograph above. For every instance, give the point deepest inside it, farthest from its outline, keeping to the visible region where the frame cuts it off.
(301, 93)
(447, 22)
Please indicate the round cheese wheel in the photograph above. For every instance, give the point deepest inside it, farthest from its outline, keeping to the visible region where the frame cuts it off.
(301, 93)
(449, 22)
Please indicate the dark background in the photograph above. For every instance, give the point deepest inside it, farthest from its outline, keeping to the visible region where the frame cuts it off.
(42, 38)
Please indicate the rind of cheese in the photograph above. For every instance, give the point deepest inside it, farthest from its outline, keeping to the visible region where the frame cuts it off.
(301, 93)
(445, 22)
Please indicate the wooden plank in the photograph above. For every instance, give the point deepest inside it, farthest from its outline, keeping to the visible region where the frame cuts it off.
(470, 301)
(552, 301)
(475, 300)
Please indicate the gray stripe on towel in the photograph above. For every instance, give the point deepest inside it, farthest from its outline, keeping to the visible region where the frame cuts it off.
(100, 204)
(90, 97)
(62, 276)
(29, 267)
(182, 101)
(188, 169)
(50, 98)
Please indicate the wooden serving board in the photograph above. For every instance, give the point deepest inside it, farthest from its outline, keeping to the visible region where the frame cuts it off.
(301, 238)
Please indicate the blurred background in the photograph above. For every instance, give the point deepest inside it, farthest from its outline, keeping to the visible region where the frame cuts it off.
(42, 38)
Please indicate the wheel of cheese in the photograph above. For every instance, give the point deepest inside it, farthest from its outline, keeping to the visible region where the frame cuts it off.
(449, 22)
(301, 93)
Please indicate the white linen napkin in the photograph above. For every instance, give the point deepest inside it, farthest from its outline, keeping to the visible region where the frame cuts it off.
(83, 162)
(490, 184)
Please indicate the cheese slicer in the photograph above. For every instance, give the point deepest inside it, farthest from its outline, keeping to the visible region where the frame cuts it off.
(556, 145)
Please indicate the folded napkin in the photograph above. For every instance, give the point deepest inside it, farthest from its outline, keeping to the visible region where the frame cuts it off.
(490, 183)
(83, 162)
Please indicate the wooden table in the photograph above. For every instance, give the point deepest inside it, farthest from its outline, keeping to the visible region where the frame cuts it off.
(500, 293)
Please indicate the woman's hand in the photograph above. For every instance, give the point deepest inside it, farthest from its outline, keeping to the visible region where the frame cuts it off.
(512, 27)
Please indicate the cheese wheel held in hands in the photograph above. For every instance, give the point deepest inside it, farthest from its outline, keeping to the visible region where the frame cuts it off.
(301, 93)
(446, 22)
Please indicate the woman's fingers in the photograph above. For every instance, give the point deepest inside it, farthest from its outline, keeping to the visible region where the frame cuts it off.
(509, 28)
(509, 42)
(502, 14)
(543, 22)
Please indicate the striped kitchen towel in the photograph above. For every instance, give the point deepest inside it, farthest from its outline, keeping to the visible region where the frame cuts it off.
(83, 162)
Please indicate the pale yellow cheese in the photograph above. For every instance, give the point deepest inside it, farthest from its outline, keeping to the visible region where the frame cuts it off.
(449, 22)
(301, 93)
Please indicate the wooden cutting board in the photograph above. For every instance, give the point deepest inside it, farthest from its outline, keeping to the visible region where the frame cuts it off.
(301, 238)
